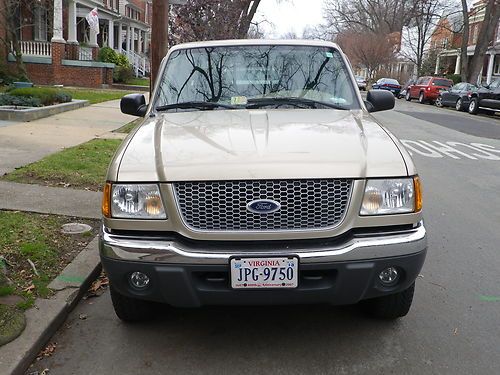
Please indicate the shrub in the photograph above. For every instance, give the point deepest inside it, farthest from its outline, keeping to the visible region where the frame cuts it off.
(19, 101)
(123, 74)
(109, 55)
(46, 95)
(456, 78)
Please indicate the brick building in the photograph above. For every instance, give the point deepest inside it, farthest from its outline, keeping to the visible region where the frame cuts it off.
(59, 47)
(447, 38)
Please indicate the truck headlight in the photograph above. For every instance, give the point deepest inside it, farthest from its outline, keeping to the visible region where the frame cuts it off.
(392, 196)
(133, 201)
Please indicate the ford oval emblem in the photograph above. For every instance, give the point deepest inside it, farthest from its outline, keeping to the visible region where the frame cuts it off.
(263, 206)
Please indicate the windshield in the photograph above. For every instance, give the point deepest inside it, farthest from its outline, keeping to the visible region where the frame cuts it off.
(237, 74)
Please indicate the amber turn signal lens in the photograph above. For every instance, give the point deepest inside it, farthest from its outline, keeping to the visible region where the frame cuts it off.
(106, 200)
(418, 193)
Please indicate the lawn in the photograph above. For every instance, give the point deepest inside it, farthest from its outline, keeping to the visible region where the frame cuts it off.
(34, 252)
(95, 95)
(82, 167)
(139, 82)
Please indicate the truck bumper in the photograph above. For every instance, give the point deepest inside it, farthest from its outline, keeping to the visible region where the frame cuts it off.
(334, 272)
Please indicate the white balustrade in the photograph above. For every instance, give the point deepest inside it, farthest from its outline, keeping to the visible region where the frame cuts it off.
(35, 48)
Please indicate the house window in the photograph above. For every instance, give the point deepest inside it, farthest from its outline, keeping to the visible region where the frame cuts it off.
(40, 24)
(496, 65)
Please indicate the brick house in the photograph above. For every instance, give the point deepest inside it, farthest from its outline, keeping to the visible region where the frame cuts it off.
(447, 38)
(60, 48)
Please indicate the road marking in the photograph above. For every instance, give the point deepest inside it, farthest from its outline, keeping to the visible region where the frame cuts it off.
(452, 149)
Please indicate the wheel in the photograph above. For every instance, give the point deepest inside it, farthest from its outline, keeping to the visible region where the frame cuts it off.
(131, 309)
(392, 306)
(439, 102)
(473, 106)
(408, 96)
(459, 105)
(421, 98)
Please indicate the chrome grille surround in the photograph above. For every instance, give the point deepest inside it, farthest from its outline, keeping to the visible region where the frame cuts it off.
(222, 205)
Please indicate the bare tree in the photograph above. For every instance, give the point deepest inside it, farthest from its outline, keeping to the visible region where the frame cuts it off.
(486, 34)
(212, 19)
(367, 50)
(15, 16)
(376, 16)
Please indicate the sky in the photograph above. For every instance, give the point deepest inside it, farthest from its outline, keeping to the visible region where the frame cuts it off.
(290, 15)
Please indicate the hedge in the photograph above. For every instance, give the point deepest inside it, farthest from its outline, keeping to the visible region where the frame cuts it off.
(46, 95)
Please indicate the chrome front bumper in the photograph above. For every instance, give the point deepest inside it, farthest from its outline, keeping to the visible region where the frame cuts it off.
(356, 247)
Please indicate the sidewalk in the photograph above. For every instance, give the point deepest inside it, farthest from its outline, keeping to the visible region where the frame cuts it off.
(50, 200)
(22, 143)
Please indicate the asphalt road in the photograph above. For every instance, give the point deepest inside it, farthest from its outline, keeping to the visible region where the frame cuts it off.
(452, 328)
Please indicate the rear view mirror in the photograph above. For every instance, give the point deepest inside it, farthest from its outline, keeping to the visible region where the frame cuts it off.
(134, 104)
(379, 100)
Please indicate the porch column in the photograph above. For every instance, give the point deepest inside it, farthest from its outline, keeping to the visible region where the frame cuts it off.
(128, 39)
(489, 72)
(120, 37)
(438, 62)
(72, 22)
(132, 39)
(93, 38)
(139, 41)
(57, 30)
(457, 65)
(111, 34)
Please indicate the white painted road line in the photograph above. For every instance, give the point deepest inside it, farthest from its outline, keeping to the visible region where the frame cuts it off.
(452, 149)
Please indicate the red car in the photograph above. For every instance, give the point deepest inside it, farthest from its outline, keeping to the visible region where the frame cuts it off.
(427, 89)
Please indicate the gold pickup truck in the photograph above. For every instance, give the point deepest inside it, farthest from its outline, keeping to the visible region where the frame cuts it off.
(259, 176)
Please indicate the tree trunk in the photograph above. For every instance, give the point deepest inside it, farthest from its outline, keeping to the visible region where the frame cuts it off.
(246, 19)
(492, 12)
(464, 66)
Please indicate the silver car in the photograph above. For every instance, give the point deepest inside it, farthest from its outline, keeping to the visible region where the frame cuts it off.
(259, 176)
(362, 83)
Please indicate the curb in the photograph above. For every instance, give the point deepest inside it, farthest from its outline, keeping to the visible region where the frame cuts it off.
(31, 114)
(48, 315)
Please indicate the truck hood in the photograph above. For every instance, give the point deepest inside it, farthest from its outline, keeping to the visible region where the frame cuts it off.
(259, 144)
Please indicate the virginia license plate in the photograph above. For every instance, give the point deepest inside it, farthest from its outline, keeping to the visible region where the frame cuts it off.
(258, 273)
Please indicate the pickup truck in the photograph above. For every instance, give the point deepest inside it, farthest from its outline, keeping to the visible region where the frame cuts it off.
(258, 177)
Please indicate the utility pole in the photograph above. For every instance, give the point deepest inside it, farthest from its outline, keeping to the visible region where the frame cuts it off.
(159, 38)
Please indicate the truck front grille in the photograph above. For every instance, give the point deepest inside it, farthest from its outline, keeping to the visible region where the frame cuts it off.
(222, 205)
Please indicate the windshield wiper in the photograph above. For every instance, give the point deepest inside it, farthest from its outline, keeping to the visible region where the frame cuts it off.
(194, 105)
(263, 102)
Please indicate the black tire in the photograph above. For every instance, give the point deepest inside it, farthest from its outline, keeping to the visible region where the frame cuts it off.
(408, 96)
(131, 309)
(421, 98)
(439, 102)
(473, 106)
(459, 105)
(392, 306)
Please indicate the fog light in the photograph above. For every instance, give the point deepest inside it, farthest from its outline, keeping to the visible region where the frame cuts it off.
(139, 280)
(389, 276)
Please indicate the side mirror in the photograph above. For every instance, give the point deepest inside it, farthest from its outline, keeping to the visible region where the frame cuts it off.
(379, 100)
(134, 104)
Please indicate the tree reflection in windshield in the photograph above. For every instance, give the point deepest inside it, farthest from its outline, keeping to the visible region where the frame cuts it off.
(221, 74)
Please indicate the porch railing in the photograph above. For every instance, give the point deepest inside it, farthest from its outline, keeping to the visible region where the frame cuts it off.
(85, 53)
(139, 63)
(35, 48)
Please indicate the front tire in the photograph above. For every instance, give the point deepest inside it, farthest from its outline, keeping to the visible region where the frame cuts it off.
(473, 106)
(131, 309)
(421, 98)
(392, 306)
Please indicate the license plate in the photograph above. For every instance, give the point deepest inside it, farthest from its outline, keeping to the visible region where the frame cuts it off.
(259, 273)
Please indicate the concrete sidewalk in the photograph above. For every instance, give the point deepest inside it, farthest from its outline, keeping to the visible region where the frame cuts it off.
(50, 200)
(22, 143)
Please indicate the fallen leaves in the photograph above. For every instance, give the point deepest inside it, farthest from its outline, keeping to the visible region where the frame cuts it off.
(48, 351)
(98, 287)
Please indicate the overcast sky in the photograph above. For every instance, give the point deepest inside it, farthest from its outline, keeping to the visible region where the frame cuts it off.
(291, 15)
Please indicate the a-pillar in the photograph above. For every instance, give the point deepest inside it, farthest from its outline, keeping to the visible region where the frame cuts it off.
(457, 64)
(438, 62)
(489, 72)
(111, 34)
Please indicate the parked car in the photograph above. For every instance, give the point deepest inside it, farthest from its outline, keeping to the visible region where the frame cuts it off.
(486, 97)
(262, 186)
(405, 87)
(457, 96)
(427, 89)
(361, 81)
(389, 84)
